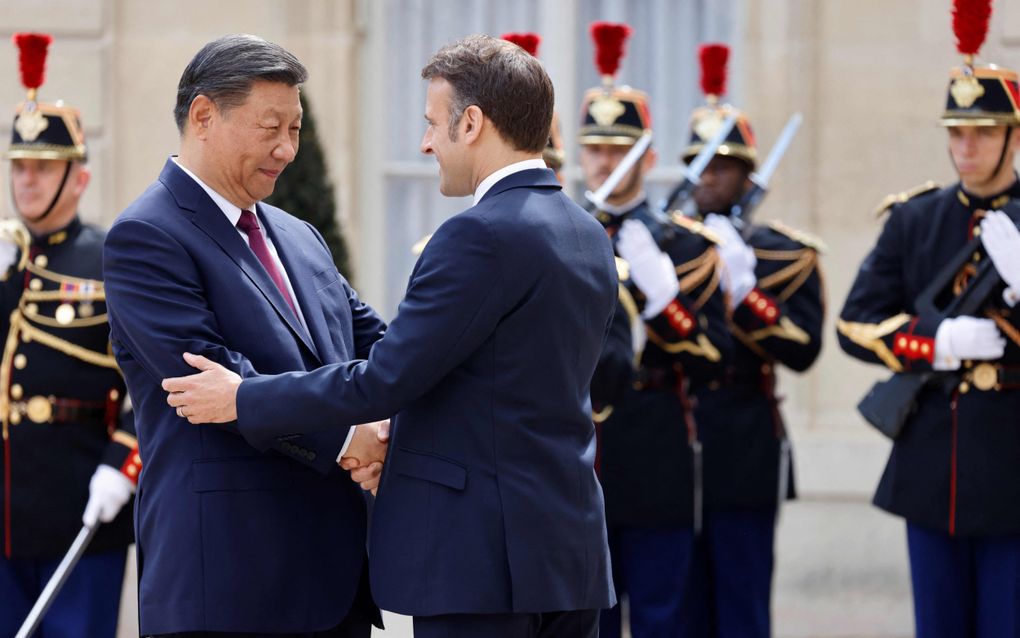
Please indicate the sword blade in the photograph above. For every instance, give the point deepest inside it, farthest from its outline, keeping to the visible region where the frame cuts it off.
(81, 542)
(635, 153)
(707, 152)
(763, 176)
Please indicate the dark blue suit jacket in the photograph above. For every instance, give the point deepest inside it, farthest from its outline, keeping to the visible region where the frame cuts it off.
(489, 502)
(231, 538)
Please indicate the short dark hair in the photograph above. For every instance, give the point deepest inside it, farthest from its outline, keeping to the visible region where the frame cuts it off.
(507, 83)
(225, 70)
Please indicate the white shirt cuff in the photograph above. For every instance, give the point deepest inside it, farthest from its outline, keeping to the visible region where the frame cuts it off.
(347, 443)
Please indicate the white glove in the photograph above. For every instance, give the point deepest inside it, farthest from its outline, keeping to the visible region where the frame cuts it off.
(1002, 241)
(651, 269)
(738, 260)
(8, 254)
(109, 490)
(962, 338)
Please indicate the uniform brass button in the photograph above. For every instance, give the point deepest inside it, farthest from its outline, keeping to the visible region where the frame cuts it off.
(39, 409)
(17, 392)
(35, 284)
(42, 261)
(977, 231)
(31, 309)
(64, 314)
(86, 309)
(964, 387)
(114, 395)
(15, 416)
(20, 361)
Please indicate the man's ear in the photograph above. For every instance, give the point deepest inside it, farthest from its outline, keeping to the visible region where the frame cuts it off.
(81, 180)
(471, 123)
(649, 160)
(200, 116)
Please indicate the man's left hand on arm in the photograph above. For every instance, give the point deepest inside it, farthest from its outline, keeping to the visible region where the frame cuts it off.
(209, 396)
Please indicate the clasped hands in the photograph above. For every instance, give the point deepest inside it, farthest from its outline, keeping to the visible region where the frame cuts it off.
(210, 396)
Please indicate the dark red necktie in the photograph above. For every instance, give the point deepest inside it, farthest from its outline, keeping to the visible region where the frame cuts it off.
(249, 225)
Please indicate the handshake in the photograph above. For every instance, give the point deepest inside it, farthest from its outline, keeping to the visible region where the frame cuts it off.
(366, 454)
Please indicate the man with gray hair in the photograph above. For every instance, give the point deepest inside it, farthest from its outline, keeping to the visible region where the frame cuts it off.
(234, 540)
(489, 520)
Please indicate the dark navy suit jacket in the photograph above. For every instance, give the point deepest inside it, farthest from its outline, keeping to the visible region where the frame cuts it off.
(231, 538)
(489, 502)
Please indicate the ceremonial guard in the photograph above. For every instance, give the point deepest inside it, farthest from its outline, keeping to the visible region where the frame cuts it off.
(923, 306)
(671, 301)
(69, 450)
(774, 292)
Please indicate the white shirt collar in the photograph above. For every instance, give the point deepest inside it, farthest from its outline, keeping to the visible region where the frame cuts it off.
(626, 207)
(506, 171)
(232, 212)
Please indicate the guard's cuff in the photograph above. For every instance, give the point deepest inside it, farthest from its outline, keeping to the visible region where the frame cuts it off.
(678, 317)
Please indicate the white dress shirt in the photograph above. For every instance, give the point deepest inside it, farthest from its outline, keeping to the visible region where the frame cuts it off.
(506, 171)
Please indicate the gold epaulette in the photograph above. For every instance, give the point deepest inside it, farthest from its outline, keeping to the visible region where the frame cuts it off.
(800, 236)
(907, 195)
(695, 227)
(419, 246)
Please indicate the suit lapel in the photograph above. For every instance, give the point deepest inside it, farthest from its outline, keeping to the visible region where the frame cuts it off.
(301, 279)
(211, 220)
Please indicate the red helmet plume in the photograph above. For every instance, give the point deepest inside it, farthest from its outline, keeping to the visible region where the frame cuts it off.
(970, 24)
(610, 38)
(32, 57)
(527, 41)
(713, 58)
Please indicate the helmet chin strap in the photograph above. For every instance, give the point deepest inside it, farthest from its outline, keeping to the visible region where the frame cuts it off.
(1002, 158)
(53, 202)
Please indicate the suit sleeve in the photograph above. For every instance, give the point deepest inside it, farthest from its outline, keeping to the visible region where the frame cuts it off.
(615, 369)
(693, 328)
(158, 311)
(454, 301)
(877, 323)
(782, 317)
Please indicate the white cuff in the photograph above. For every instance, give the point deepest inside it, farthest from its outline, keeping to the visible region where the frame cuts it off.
(347, 443)
(942, 360)
(654, 307)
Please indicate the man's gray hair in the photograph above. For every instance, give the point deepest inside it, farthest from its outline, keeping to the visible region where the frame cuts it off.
(225, 70)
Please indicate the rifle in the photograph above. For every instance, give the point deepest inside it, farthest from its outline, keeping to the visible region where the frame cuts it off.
(889, 403)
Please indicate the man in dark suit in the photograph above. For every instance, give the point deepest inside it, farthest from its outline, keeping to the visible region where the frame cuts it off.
(489, 519)
(231, 538)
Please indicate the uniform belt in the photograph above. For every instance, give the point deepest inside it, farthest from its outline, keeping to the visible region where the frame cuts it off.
(40, 409)
(648, 378)
(988, 377)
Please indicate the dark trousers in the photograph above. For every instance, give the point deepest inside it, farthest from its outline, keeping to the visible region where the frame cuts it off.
(86, 607)
(560, 624)
(351, 627)
(731, 576)
(651, 568)
(964, 587)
